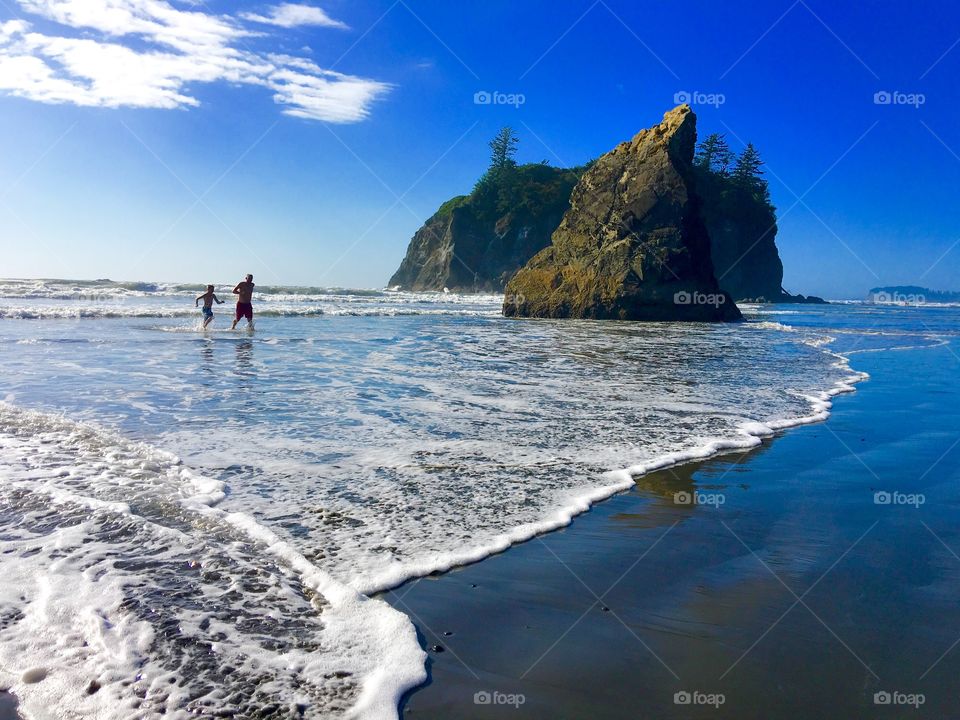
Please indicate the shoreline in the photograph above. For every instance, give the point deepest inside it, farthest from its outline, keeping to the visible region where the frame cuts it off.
(752, 436)
(749, 436)
(536, 591)
(386, 689)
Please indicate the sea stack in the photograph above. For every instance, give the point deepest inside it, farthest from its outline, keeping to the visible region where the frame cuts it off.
(472, 245)
(633, 244)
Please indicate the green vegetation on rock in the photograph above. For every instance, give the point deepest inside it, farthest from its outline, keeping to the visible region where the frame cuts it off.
(476, 242)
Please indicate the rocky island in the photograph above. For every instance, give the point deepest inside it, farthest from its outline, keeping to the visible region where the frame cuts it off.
(633, 245)
(478, 242)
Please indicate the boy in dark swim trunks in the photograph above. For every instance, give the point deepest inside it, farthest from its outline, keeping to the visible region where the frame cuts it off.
(208, 299)
(244, 293)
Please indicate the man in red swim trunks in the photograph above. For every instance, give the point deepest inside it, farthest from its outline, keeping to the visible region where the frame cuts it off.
(244, 293)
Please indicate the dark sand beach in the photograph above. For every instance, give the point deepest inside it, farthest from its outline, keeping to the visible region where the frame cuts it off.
(8, 706)
(804, 594)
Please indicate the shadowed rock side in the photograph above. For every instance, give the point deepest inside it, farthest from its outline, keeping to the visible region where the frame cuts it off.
(743, 247)
(469, 245)
(743, 229)
(633, 245)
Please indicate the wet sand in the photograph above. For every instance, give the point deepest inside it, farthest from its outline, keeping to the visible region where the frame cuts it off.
(803, 594)
(8, 706)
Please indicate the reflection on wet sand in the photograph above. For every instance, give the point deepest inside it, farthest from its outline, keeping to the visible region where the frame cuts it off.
(687, 488)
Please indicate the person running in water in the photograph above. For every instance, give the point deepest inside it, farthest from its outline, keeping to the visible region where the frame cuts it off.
(208, 299)
(244, 293)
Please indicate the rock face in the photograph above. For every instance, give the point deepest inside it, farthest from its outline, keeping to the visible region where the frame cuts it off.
(743, 229)
(633, 245)
(469, 246)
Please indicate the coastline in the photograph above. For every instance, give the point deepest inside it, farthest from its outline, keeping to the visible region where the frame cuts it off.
(675, 619)
(723, 443)
(383, 692)
(748, 436)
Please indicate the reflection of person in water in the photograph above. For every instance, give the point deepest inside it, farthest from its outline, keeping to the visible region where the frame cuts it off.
(244, 357)
(244, 293)
(208, 299)
(209, 372)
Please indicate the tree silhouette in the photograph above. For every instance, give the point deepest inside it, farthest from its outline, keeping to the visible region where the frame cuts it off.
(503, 149)
(496, 190)
(714, 154)
(746, 170)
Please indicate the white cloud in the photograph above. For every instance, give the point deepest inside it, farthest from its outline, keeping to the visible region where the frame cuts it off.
(155, 19)
(290, 15)
(149, 54)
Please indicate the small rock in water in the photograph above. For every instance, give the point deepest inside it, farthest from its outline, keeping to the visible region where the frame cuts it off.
(473, 584)
(34, 675)
(437, 648)
(93, 687)
(447, 633)
(604, 608)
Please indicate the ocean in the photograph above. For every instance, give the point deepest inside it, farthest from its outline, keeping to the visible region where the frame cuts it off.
(200, 521)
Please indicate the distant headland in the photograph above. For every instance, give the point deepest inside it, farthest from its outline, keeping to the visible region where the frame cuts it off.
(911, 295)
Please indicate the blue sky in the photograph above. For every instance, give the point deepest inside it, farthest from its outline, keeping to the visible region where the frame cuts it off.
(306, 143)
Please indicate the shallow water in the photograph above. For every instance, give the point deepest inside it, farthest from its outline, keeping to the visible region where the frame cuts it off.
(195, 520)
(645, 598)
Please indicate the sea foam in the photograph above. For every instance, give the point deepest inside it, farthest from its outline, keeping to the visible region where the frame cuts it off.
(311, 465)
